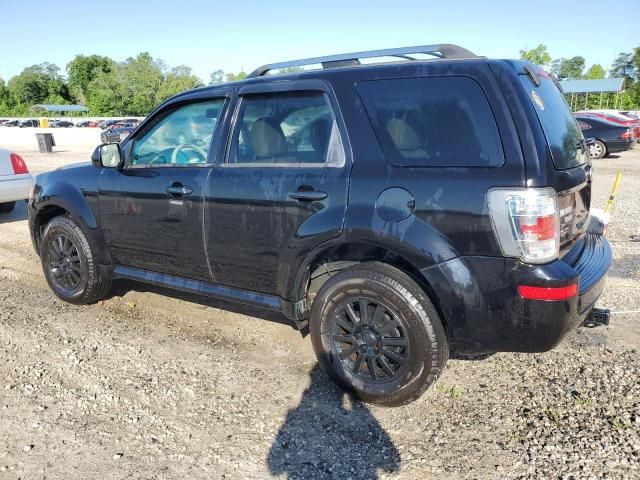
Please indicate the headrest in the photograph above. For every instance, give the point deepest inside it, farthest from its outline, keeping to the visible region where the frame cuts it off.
(267, 138)
(320, 131)
(402, 134)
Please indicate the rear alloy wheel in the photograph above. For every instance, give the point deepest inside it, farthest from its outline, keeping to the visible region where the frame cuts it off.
(69, 264)
(7, 207)
(597, 149)
(377, 334)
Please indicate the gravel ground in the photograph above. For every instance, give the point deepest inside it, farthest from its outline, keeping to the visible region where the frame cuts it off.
(156, 384)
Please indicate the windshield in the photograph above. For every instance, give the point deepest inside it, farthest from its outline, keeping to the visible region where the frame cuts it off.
(560, 128)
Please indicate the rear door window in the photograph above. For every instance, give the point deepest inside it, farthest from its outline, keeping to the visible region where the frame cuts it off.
(560, 127)
(433, 122)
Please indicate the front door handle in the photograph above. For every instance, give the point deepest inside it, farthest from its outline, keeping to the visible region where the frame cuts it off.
(179, 190)
(310, 196)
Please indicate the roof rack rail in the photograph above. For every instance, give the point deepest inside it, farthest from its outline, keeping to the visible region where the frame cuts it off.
(443, 50)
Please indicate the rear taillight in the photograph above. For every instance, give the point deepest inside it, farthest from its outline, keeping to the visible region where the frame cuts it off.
(18, 164)
(627, 135)
(526, 223)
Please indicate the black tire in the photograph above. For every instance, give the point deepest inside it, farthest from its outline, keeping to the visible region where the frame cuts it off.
(69, 264)
(598, 150)
(7, 207)
(417, 339)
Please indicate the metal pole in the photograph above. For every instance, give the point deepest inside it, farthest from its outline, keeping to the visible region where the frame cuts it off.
(600, 107)
(572, 95)
(586, 99)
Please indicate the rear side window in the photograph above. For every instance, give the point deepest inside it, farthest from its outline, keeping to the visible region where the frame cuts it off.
(560, 128)
(433, 122)
(286, 128)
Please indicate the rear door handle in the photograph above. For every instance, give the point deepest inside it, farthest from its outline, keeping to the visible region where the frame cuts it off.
(179, 190)
(311, 196)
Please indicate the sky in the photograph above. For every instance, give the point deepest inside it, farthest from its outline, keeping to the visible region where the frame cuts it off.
(244, 34)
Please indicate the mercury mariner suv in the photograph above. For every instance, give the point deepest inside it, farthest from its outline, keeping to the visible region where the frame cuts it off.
(422, 202)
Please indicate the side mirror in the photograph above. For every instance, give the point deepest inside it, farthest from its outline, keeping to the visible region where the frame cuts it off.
(107, 155)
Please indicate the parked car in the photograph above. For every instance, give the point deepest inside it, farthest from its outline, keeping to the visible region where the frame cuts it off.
(29, 123)
(11, 123)
(15, 180)
(617, 118)
(397, 211)
(115, 135)
(608, 137)
(87, 124)
(107, 123)
(62, 124)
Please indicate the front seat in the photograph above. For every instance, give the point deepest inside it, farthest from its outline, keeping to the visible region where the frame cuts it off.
(268, 142)
(405, 138)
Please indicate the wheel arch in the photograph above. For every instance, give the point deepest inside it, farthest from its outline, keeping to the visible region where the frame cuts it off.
(63, 199)
(321, 264)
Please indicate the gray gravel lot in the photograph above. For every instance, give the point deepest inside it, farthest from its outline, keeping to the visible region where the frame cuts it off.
(156, 384)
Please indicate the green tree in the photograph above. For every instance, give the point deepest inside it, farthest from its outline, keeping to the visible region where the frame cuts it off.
(234, 77)
(38, 84)
(568, 68)
(624, 66)
(145, 77)
(109, 92)
(595, 72)
(216, 77)
(539, 55)
(178, 80)
(82, 70)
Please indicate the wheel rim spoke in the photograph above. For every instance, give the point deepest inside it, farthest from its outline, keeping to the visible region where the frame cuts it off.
(386, 367)
(351, 314)
(393, 355)
(395, 341)
(371, 367)
(346, 326)
(358, 363)
(348, 352)
(344, 338)
(363, 310)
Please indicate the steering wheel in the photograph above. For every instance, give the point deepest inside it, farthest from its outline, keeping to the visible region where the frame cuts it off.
(188, 146)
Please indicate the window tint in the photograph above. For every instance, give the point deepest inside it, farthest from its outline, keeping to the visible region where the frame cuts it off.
(278, 128)
(435, 121)
(181, 138)
(560, 128)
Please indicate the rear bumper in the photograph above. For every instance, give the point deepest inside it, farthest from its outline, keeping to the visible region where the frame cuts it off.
(484, 312)
(15, 187)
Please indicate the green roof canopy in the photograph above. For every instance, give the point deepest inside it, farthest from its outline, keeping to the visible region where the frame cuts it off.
(58, 108)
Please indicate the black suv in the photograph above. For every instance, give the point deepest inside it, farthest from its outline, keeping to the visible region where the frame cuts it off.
(398, 211)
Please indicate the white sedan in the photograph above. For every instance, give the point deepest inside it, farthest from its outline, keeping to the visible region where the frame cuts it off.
(15, 180)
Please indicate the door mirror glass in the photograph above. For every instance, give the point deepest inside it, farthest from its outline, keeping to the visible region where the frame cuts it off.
(107, 155)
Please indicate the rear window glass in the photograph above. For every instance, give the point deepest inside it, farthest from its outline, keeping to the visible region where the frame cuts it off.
(560, 128)
(433, 122)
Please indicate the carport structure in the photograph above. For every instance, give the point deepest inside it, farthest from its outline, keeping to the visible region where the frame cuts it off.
(49, 109)
(601, 86)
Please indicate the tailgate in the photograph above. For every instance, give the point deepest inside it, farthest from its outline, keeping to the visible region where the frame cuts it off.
(568, 152)
(573, 205)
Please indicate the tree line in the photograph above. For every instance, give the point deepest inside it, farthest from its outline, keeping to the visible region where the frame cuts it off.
(138, 84)
(108, 88)
(626, 65)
